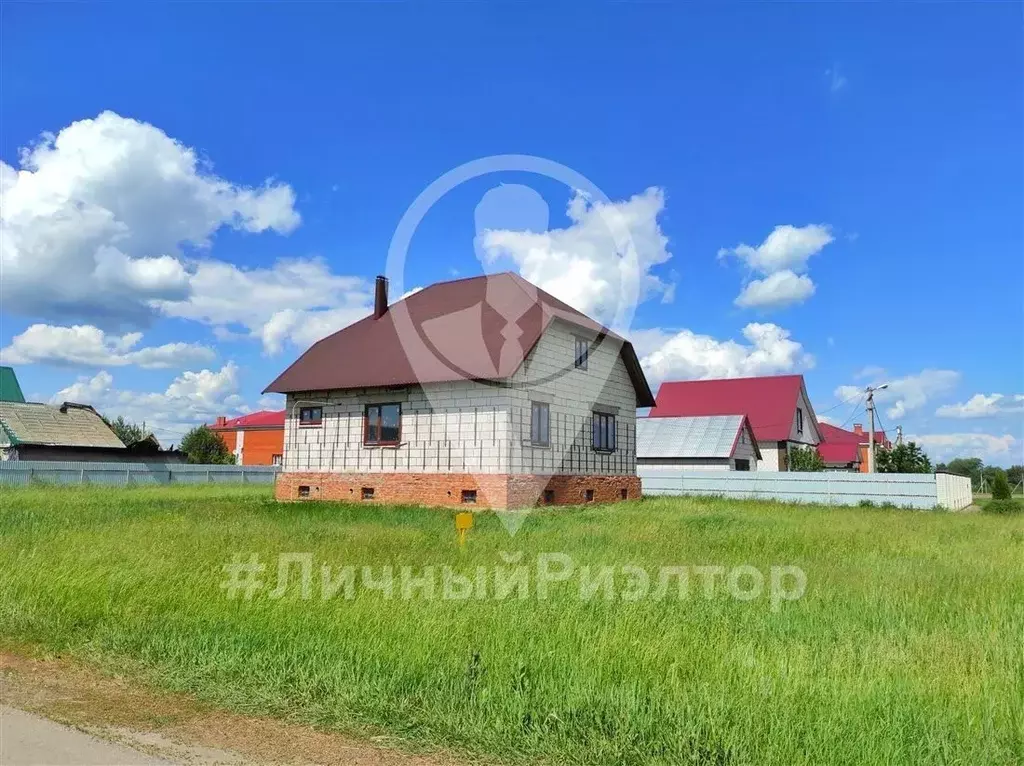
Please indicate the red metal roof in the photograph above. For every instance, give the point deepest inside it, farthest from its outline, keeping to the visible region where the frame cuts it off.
(459, 330)
(261, 419)
(768, 402)
(834, 434)
(839, 453)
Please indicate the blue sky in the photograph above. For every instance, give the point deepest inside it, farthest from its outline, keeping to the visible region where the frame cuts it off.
(242, 168)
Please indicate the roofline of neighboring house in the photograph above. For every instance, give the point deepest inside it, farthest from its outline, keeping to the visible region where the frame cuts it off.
(247, 428)
(745, 424)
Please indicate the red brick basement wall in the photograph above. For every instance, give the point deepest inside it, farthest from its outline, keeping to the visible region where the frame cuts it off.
(447, 489)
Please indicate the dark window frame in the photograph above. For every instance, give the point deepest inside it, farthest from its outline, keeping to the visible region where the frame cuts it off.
(308, 420)
(539, 424)
(745, 462)
(581, 359)
(799, 420)
(603, 432)
(379, 425)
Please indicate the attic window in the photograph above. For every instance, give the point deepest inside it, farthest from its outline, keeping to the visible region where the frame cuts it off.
(582, 355)
(799, 420)
(311, 416)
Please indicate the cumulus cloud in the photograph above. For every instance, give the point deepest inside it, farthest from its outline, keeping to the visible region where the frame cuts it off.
(686, 355)
(91, 223)
(598, 263)
(190, 399)
(782, 288)
(983, 406)
(297, 301)
(907, 393)
(89, 346)
(781, 260)
(990, 447)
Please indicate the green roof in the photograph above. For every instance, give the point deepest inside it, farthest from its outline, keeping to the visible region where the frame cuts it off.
(10, 391)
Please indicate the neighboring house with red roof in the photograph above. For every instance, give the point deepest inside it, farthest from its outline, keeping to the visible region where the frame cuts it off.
(254, 439)
(777, 407)
(848, 450)
(485, 391)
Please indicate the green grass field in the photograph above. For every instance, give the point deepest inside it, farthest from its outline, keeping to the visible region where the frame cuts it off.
(907, 647)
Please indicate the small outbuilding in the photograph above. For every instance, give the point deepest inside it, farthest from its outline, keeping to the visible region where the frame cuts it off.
(724, 442)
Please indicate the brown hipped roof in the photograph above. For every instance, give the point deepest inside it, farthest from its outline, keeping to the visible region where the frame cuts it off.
(459, 330)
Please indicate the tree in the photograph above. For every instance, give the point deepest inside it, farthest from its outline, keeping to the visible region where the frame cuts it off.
(128, 432)
(201, 445)
(1015, 475)
(805, 459)
(1000, 486)
(991, 474)
(903, 458)
(969, 467)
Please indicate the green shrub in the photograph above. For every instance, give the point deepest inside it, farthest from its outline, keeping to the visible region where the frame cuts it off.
(1003, 506)
(1000, 486)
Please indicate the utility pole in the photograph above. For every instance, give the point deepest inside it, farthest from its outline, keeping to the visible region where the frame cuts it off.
(871, 424)
(899, 435)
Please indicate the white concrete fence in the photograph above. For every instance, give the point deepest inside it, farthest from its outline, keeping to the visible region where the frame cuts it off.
(24, 472)
(904, 490)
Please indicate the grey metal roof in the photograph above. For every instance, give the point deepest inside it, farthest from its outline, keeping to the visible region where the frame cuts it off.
(67, 425)
(698, 436)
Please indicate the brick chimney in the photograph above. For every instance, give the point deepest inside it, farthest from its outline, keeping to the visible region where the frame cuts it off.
(858, 428)
(380, 297)
(221, 420)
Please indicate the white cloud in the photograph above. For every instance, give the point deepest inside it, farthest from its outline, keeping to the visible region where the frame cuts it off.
(836, 81)
(90, 346)
(685, 355)
(982, 405)
(783, 288)
(944, 447)
(297, 301)
(594, 264)
(908, 393)
(91, 224)
(787, 247)
(782, 259)
(190, 399)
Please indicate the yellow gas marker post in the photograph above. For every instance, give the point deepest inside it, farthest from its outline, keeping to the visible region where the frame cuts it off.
(463, 523)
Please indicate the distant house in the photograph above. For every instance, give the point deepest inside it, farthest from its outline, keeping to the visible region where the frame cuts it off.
(485, 391)
(10, 390)
(68, 432)
(723, 442)
(848, 450)
(777, 407)
(254, 439)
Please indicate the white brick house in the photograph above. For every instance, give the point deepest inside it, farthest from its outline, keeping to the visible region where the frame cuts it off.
(552, 422)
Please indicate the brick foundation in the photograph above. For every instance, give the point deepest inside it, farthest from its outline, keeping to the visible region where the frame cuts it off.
(498, 491)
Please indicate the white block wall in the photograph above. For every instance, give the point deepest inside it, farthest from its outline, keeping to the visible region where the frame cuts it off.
(474, 427)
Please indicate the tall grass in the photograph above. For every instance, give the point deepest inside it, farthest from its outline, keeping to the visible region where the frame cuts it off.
(906, 647)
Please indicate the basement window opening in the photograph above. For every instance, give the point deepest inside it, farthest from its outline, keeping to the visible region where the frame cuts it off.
(549, 496)
(303, 490)
(469, 496)
(367, 493)
(589, 495)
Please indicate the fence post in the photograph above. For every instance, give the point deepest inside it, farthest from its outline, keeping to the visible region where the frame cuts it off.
(243, 474)
(127, 477)
(81, 476)
(208, 479)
